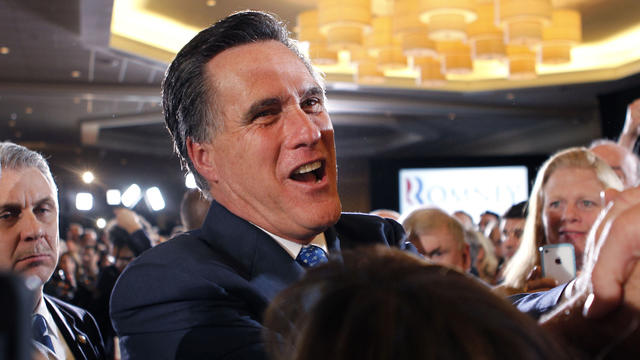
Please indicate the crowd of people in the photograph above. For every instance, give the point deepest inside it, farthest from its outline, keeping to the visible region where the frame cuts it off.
(268, 266)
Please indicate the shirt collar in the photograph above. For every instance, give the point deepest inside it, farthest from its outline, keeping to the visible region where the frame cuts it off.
(293, 248)
(51, 325)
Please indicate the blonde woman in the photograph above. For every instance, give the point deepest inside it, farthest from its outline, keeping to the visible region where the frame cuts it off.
(564, 203)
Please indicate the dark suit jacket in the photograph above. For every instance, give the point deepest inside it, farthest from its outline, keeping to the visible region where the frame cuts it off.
(78, 328)
(202, 294)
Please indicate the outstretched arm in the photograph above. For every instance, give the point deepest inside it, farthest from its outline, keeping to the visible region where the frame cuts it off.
(631, 129)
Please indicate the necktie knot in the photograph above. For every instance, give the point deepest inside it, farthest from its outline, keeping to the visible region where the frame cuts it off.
(39, 328)
(311, 255)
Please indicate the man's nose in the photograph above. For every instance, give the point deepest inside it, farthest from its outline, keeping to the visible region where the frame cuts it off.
(30, 227)
(301, 129)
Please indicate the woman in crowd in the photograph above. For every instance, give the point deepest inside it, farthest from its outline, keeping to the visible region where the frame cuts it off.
(565, 202)
(382, 303)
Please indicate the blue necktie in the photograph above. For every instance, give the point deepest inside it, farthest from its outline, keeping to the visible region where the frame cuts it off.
(311, 255)
(39, 328)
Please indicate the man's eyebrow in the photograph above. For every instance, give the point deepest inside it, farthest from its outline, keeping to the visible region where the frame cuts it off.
(16, 206)
(46, 201)
(259, 105)
(9, 206)
(313, 91)
(432, 252)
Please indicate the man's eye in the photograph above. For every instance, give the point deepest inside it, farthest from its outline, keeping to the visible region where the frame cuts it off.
(312, 104)
(42, 210)
(7, 215)
(264, 113)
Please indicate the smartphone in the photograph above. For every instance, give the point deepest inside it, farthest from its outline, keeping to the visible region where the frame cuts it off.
(558, 261)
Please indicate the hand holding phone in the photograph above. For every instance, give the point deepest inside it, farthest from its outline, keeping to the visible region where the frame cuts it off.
(558, 261)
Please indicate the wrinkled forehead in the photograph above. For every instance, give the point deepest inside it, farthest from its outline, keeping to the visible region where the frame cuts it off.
(26, 183)
(259, 60)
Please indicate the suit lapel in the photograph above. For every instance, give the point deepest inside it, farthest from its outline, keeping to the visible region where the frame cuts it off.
(67, 326)
(333, 241)
(257, 256)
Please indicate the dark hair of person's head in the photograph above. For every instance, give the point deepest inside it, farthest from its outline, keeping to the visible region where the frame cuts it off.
(120, 238)
(516, 211)
(382, 303)
(491, 213)
(188, 97)
(193, 209)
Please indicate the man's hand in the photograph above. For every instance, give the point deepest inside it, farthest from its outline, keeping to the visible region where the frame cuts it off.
(603, 317)
(128, 220)
(631, 129)
(615, 251)
(535, 281)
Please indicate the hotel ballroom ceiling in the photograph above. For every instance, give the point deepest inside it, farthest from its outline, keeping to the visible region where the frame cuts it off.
(64, 89)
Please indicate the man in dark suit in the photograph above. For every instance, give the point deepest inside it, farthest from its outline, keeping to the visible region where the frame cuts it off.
(248, 118)
(29, 246)
(247, 114)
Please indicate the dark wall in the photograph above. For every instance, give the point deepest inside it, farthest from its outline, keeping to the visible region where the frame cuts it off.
(613, 109)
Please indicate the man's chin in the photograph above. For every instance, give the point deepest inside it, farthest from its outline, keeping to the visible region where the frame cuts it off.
(36, 273)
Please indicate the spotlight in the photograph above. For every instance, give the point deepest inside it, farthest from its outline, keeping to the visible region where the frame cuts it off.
(88, 177)
(113, 197)
(101, 223)
(131, 196)
(84, 201)
(190, 181)
(154, 199)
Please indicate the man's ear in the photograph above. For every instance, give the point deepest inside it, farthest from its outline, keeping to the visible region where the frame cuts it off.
(201, 155)
(466, 255)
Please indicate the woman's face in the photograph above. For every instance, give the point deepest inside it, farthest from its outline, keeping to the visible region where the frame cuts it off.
(571, 205)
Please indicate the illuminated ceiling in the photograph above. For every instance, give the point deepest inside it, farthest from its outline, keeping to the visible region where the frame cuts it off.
(158, 29)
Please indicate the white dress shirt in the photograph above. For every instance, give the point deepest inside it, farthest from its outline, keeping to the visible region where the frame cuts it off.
(59, 344)
(293, 248)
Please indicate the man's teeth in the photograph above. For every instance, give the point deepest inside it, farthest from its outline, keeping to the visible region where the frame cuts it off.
(308, 168)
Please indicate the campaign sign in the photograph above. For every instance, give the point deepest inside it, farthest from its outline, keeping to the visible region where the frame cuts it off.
(471, 189)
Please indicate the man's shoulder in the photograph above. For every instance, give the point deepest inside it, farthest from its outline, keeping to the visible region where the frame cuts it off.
(182, 245)
(365, 228)
(182, 264)
(68, 309)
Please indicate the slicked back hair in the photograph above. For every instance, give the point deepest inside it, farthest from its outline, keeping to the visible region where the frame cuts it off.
(188, 98)
(15, 157)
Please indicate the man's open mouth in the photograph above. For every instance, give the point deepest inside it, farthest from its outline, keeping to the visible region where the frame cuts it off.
(311, 172)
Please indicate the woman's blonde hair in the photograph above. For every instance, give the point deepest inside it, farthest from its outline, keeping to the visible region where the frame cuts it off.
(526, 257)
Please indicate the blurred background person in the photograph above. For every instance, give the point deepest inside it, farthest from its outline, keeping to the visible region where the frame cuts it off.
(564, 203)
(193, 209)
(484, 263)
(439, 237)
(350, 309)
(72, 241)
(386, 213)
(465, 219)
(487, 218)
(511, 229)
(63, 283)
(129, 240)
